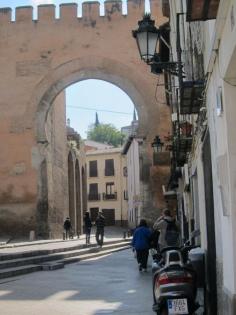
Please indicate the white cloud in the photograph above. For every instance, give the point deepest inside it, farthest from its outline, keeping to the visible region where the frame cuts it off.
(38, 2)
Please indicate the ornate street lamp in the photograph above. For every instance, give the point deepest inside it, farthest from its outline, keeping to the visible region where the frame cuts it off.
(147, 36)
(157, 145)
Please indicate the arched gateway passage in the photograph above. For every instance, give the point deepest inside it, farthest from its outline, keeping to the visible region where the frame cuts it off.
(39, 59)
(81, 69)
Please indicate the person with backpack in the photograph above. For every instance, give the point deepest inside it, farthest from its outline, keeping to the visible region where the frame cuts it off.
(87, 227)
(168, 228)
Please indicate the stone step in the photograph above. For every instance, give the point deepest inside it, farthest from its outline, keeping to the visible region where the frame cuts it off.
(53, 266)
(32, 253)
(94, 255)
(17, 271)
(53, 256)
(57, 256)
(56, 264)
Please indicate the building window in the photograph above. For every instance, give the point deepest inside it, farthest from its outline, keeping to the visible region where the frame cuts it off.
(110, 193)
(125, 195)
(93, 169)
(109, 167)
(125, 171)
(93, 192)
(110, 188)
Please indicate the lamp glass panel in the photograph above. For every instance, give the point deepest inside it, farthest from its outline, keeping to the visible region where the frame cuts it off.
(142, 44)
(152, 43)
(155, 149)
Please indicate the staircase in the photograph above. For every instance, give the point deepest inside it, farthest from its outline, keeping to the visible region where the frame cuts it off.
(15, 264)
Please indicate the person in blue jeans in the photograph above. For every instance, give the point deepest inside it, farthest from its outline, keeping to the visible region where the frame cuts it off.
(140, 243)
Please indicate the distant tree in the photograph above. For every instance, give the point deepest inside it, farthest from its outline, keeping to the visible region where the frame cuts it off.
(105, 133)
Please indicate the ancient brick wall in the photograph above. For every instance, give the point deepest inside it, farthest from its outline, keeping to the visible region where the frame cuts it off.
(57, 165)
(38, 59)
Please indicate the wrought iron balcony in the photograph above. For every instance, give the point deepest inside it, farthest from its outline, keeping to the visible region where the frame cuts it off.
(110, 196)
(181, 147)
(191, 97)
(202, 10)
(94, 197)
(184, 144)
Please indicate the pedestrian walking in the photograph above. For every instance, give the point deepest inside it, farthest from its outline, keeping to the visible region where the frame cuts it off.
(168, 228)
(67, 227)
(140, 243)
(100, 224)
(87, 227)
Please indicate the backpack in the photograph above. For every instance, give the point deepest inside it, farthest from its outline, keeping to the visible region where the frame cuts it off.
(153, 240)
(172, 233)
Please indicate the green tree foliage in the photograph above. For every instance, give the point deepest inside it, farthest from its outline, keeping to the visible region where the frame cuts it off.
(105, 133)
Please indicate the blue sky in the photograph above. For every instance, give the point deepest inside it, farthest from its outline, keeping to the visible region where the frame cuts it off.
(105, 98)
(81, 103)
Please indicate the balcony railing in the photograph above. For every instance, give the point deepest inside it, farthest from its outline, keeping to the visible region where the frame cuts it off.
(94, 197)
(202, 10)
(110, 196)
(191, 97)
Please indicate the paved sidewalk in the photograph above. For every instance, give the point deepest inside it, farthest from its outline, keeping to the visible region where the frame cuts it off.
(17, 246)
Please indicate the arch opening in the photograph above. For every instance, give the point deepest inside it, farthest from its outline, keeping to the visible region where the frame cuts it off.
(72, 72)
(46, 95)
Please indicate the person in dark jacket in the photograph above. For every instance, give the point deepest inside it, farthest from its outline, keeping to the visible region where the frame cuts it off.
(100, 224)
(87, 227)
(140, 243)
(67, 227)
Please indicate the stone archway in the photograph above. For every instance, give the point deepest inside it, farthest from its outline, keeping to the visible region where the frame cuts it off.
(40, 59)
(91, 67)
(42, 226)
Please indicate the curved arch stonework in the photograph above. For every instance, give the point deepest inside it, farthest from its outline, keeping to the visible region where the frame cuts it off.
(89, 68)
(39, 59)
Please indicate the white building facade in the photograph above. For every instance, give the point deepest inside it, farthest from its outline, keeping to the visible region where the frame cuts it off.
(204, 42)
(131, 150)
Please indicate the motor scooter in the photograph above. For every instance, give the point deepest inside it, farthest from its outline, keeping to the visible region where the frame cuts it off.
(174, 282)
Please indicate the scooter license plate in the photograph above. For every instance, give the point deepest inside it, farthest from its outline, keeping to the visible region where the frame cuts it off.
(177, 306)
